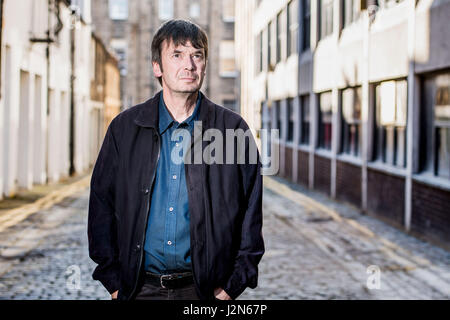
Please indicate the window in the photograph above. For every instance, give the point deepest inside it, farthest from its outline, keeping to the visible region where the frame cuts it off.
(265, 124)
(351, 121)
(272, 45)
(350, 11)
(326, 18)
(259, 53)
(230, 104)
(279, 37)
(228, 10)
(269, 46)
(118, 9)
(306, 19)
(165, 9)
(435, 142)
(277, 110)
(292, 27)
(390, 137)
(194, 9)
(304, 119)
(291, 119)
(120, 48)
(325, 120)
(227, 62)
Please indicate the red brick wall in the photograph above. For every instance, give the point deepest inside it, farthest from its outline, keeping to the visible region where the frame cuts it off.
(430, 211)
(386, 196)
(322, 174)
(348, 182)
(303, 168)
(288, 163)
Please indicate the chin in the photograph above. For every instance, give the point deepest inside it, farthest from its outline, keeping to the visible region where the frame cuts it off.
(190, 89)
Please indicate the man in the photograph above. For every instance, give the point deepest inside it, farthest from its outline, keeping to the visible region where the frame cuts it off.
(161, 229)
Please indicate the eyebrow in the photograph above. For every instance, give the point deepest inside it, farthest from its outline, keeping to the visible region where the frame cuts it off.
(179, 51)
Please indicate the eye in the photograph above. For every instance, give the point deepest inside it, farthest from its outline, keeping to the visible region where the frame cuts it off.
(176, 55)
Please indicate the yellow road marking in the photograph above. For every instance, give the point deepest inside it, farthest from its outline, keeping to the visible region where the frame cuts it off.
(309, 203)
(14, 216)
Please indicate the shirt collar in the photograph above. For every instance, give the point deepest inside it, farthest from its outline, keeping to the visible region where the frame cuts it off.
(166, 120)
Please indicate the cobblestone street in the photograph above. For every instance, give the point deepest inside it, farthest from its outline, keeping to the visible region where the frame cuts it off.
(316, 248)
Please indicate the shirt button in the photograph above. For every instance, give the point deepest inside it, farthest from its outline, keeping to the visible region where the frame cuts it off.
(174, 176)
(177, 144)
(171, 209)
(169, 243)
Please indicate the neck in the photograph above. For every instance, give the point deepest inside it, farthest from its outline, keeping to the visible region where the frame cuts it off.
(180, 105)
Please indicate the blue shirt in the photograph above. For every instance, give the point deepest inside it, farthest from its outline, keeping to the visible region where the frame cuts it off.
(167, 239)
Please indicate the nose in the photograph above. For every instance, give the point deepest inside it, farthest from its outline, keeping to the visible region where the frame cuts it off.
(189, 64)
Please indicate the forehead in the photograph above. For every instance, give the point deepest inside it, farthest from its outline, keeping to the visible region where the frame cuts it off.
(169, 46)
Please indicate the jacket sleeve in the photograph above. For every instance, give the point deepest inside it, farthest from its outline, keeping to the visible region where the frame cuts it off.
(102, 229)
(251, 249)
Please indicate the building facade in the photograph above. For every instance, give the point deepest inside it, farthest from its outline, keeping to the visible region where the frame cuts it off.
(45, 110)
(128, 26)
(104, 93)
(360, 91)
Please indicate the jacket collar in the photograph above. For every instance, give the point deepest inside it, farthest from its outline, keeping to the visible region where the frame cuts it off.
(148, 115)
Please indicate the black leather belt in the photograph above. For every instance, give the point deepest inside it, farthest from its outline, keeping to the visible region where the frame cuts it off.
(169, 281)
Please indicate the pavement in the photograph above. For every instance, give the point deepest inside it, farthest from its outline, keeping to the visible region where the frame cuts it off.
(316, 248)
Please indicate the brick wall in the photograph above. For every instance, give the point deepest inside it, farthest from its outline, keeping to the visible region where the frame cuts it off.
(386, 196)
(303, 168)
(322, 174)
(348, 182)
(430, 212)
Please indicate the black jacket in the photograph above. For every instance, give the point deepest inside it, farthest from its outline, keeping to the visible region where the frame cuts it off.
(225, 205)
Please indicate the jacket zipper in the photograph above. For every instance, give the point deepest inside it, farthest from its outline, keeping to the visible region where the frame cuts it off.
(146, 216)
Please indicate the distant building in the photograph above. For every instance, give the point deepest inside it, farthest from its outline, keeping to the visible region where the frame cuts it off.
(47, 120)
(128, 26)
(360, 93)
(105, 93)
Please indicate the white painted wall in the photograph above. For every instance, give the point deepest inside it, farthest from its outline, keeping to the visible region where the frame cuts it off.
(34, 145)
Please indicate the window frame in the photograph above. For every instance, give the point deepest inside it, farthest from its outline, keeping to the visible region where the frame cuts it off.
(347, 147)
(292, 28)
(325, 128)
(430, 140)
(168, 5)
(352, 10)
(290, 120)
(306, 25)
(390, 137)
(324, 20)
(305, 130)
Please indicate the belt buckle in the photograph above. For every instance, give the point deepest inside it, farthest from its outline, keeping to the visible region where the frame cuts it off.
(164, 276)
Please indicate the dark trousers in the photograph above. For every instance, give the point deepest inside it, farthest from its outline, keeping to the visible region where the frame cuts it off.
(151, 292)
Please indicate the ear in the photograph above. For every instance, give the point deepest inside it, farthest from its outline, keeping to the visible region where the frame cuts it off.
(156, 69)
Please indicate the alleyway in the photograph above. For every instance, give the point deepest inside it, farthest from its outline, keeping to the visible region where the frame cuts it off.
(315, 249)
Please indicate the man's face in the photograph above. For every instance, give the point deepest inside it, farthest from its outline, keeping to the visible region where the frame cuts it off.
(183, 67)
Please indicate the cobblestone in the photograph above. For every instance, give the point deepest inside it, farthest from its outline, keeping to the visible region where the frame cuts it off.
(316, 248)
(45, 271)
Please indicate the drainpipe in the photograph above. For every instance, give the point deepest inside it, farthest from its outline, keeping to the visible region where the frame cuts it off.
(47, 55)
(72, 101)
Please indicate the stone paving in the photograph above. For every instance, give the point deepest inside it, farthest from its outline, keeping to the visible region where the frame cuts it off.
(50, 268)
(316, 248)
